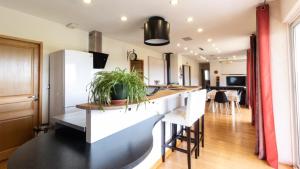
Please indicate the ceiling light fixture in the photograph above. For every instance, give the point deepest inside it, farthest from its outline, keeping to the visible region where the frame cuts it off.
(191, 51)
(195, 54)
(218, 57)
(209, 40)
(190, 19)
(185, 48)
(178, 44)
(87, 1)
(123, 18)
(156, 31)
(200, 30)
(174, 2)
(214, 45)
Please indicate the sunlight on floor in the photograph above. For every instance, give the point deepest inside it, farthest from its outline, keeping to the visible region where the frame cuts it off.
(228, 145)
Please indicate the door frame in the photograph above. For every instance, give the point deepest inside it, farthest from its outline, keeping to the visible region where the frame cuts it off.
(40, 82)
(183, 77)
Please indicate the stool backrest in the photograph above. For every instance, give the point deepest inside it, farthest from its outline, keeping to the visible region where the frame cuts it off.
(195, 105)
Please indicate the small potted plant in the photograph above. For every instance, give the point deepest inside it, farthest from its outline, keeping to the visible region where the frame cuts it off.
(117, 87)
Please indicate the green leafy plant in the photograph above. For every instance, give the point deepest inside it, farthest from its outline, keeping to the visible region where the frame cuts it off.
(118, 82)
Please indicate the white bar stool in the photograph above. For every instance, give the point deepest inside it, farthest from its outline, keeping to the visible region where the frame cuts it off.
(186, 116)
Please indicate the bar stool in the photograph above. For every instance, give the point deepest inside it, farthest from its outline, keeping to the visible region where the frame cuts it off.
(186, 117)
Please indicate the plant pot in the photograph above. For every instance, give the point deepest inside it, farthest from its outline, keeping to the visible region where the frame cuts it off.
(119, 94)
(119, 102)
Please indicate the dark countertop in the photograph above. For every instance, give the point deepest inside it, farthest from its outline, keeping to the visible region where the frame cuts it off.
(66, 148)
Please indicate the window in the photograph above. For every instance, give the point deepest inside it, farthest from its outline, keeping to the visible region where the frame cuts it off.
(206, 74)
(295, 72)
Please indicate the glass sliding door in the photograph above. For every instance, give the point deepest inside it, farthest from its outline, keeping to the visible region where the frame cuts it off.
(295, 72)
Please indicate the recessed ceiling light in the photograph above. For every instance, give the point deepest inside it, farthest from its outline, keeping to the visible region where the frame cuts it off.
(234, 56)
(195, 54)
(217, 48)
(200, 30)
(191, 51)
(214, 45)
(178, 44)
(87, 1)
(174, 2)
(209, 40)
(190, 19)
(185, 48)
(123, 18)
(218, 57)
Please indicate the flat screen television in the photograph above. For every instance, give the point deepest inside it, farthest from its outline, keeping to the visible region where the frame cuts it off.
(236, 80)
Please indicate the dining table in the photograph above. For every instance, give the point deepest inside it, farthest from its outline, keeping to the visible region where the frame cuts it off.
(232, 96)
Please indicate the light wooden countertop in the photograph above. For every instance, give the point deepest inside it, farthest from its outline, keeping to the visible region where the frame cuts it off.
(160, 94)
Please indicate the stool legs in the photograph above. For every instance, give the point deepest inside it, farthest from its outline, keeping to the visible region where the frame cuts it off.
(174, 134)
(196, 138)
(163, 134)
(202, 130)
(188, 133)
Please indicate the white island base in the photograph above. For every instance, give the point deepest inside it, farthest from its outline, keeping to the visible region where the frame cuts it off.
(103, 123)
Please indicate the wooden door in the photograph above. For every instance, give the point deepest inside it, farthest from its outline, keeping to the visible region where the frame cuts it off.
(138, 66)
(19, 92)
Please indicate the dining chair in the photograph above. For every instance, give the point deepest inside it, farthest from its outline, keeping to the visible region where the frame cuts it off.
(238, 100)
(221, 99)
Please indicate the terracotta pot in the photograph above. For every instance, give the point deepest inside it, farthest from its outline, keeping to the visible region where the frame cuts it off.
(119, 102)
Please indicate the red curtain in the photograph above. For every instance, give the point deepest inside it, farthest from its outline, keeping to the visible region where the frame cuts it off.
(263, 44)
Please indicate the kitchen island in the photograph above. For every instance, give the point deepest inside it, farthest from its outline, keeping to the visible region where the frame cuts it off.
(116, 137)
(116, 118)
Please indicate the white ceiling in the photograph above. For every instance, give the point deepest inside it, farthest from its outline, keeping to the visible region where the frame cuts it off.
(228, 22)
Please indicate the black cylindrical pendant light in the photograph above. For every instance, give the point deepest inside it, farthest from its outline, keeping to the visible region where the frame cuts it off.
(156, 31)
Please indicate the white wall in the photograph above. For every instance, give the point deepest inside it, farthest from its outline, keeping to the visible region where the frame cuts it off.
(177, 61)
(174, 69)
(117, 51)
(56, 36)
(280, 83)
(195, 71)
(53, 35)
(286, 6)
(224, 69)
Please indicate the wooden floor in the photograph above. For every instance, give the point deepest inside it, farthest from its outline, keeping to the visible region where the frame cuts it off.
(228, 145)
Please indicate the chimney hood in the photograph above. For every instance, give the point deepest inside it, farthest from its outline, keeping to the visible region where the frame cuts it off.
(95, 47)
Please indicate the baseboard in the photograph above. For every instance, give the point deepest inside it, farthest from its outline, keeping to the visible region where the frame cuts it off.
(285, 166)
(168, 153)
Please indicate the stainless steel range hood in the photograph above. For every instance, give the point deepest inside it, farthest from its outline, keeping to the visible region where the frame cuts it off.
(95, 47)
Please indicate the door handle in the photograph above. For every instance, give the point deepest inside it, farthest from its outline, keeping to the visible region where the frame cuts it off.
(35, 98)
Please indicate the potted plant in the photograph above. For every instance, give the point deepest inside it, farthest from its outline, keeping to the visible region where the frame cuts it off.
(117, 87)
